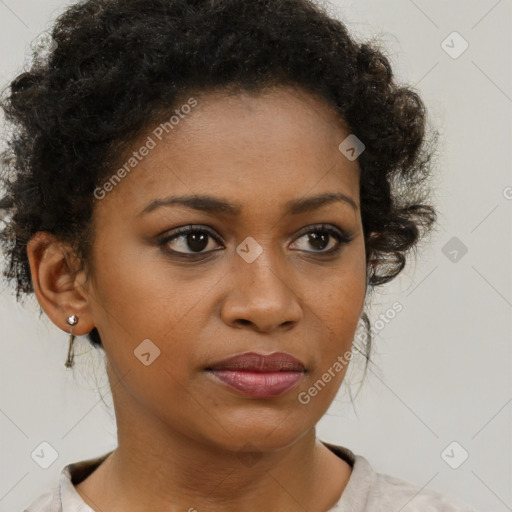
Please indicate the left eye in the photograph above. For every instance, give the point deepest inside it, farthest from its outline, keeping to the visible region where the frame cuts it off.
(319, 236)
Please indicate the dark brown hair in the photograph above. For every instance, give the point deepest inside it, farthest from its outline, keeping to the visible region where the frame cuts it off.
(119, 65)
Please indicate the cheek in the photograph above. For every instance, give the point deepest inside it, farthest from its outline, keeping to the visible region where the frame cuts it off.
(140, 295)
(337, 309)
(340, 301)
(337, 312)
(142, 298)
(342, 306)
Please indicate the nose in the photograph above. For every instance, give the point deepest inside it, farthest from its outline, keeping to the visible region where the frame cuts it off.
(262, 297)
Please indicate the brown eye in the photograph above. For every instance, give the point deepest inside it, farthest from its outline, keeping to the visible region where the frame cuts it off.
(320, 237)
(189, 241)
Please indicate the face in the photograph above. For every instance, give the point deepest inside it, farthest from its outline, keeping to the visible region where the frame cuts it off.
(257, 275)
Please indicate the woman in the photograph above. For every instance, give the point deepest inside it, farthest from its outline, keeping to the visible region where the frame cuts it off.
(209, 190)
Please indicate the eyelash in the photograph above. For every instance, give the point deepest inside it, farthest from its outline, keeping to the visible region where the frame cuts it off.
(341, 236)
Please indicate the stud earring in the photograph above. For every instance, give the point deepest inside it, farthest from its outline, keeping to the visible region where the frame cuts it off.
(71, 320)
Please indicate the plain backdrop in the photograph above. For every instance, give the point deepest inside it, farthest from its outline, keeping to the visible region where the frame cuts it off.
(440, 386)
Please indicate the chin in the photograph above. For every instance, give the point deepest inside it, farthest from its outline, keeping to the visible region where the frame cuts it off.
(247, 438)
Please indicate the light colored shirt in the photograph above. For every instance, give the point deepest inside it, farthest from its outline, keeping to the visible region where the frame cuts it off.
(366, 490)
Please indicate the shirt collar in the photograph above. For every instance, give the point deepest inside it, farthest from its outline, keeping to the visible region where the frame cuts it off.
(73, 473)
(356, 492)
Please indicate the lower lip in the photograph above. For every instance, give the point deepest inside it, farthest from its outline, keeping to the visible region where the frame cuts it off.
(259, 384)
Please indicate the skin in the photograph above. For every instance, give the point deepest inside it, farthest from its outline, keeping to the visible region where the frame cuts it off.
(181, 434)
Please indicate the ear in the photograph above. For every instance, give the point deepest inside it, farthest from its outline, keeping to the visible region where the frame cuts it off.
(59, 289)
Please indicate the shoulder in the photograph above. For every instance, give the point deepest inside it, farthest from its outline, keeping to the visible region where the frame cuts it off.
(63, 496)
(49, 501)
(368, 490)
(387, 492)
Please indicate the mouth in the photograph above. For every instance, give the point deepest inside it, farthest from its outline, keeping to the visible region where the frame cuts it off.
(258, 375)
(254, 362)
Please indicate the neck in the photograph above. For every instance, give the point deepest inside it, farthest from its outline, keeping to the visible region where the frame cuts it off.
(156, 467)
(189, 474)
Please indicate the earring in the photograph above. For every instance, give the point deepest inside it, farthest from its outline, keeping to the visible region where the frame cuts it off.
(71, 320)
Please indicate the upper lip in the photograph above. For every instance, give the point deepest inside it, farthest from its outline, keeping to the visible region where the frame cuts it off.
(252, 361)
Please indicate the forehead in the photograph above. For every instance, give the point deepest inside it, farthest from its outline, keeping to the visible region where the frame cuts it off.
(260, 148)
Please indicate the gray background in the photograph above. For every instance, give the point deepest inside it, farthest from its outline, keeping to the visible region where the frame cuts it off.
(442, 365)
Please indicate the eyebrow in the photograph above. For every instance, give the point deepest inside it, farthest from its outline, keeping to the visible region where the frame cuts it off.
(218, 205)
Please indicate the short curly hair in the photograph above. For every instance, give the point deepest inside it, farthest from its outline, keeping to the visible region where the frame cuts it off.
(121, 65)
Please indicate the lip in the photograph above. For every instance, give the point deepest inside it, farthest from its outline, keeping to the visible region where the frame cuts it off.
(259, 375)
(254, 362)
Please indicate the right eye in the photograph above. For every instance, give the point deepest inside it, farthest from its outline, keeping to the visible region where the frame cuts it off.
(189, 237)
